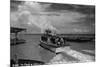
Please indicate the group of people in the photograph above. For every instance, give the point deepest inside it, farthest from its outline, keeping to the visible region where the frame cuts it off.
(52, 38)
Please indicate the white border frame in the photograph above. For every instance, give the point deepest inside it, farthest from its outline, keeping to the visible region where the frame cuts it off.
(5, 33)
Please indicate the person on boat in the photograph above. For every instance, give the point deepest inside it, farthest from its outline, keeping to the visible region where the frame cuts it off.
(46, 36)
(59, 41)
(53, 38)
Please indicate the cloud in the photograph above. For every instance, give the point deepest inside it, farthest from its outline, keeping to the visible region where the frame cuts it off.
(35, 17)
(29, 9)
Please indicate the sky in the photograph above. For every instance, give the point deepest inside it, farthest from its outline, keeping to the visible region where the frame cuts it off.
(63, 18)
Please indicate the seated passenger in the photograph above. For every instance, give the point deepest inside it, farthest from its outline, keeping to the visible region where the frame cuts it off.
(52, 39)
(44, 38)
(60, 41)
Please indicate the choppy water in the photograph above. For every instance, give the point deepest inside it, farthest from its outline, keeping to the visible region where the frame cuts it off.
(31, 50)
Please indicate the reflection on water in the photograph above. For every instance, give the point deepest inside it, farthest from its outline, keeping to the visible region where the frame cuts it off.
(31, 50)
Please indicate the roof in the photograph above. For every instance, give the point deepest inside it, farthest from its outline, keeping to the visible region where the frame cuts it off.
(16, 30)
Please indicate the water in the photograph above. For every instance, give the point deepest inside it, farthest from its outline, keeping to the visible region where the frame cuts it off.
(31, 50)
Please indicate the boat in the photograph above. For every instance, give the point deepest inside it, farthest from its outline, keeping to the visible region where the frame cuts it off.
(50, 46)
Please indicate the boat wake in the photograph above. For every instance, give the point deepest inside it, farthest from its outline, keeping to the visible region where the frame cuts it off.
(75, 55)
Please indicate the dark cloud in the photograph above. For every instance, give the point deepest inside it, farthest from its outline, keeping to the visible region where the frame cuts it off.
(14, 4)
(86, 9)
(68, 18)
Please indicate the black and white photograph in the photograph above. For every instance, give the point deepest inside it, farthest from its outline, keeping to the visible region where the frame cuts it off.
(47, 33)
